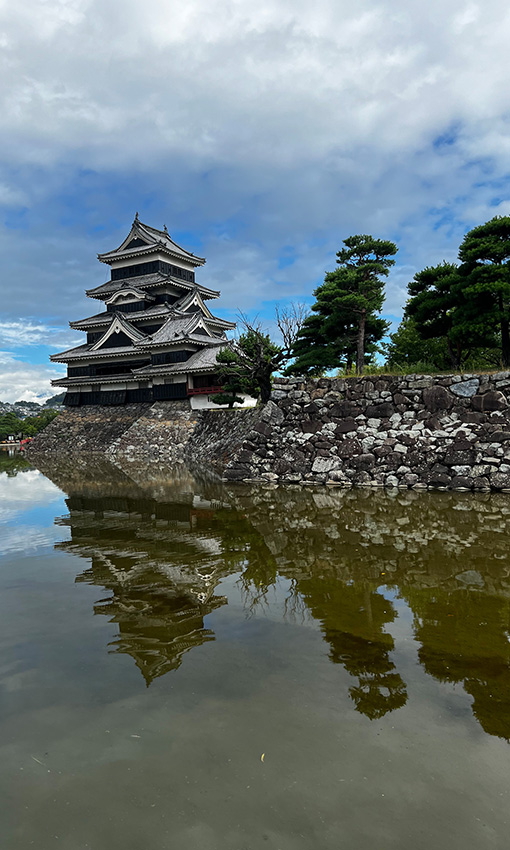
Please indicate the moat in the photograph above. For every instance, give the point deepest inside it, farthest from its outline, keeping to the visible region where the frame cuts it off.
(212, 666)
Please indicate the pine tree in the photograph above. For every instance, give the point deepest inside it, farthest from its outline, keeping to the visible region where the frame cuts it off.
(485, 272)
(347, 308)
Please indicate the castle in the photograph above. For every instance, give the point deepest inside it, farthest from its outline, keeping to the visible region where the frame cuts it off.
(156, 338)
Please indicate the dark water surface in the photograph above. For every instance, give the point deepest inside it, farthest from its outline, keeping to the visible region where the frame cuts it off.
(206, 667)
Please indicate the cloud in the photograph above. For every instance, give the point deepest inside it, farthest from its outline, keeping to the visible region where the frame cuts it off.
(19, 494)
(22, 333)
(20, 380)
(273, 82)
(256, 131)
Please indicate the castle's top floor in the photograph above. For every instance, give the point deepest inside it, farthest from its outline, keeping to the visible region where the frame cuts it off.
(145, 243)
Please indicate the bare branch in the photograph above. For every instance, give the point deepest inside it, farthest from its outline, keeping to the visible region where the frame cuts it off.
(290, 320)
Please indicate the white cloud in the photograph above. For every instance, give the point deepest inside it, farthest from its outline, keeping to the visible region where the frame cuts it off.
(29, 489)
(24, 381)
(258, 125)
(275, 81)
(22, 333)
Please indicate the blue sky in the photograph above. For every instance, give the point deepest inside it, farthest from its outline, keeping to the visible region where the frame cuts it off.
(261, 134)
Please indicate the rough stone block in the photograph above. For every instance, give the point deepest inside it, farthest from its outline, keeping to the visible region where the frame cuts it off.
(500, 481)
(489, 401)
(466, 389)
(380, 411)
(322, 465)
(461, 482)
(437, 398)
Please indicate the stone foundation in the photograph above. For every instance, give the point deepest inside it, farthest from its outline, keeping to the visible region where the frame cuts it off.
(414, 431)
(89, 429)
(162, 432)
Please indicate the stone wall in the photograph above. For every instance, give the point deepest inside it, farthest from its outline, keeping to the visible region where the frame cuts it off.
(161, 432)
(89, 429)
(415, 431)
(220, 437)
(164, 431)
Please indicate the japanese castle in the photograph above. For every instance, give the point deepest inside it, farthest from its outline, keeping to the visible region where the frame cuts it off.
(155, 338)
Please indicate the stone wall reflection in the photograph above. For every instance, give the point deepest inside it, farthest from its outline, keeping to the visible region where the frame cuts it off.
(161, 540)
(348, 553)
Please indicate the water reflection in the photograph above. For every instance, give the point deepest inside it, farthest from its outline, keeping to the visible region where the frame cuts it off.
(12, 462)
(353, 619)
(154, 545)
(160, 541)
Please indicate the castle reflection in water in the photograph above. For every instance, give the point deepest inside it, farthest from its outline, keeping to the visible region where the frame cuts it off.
(159, 542)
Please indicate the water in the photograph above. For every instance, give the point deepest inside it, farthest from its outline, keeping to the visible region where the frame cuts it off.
(188, 665)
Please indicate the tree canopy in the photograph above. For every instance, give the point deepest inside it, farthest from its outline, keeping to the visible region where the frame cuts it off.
(466, 306)
(12, 426)
(485, 270)
(346, 323)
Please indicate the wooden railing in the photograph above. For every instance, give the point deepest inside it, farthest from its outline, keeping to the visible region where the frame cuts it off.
(204, 390)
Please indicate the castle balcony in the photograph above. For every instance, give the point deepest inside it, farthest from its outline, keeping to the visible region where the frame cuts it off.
(205, 390)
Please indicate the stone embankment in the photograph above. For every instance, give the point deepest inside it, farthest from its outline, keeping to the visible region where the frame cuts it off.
(90, 429)
(414, 431)
(166, 431)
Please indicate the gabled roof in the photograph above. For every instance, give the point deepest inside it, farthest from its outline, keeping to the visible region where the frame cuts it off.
(140, 281)
(147, 240)
(180, 326)
(85, 351)
(195, 298)
(155, 311)
(120, 325)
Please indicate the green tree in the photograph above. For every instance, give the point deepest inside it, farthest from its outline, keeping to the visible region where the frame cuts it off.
(485, 280)
(323, 344)
(31, 425)
(407, 348)
(10, 425)
(232, 384)
(248, 363)
(347, 307)
(434, 306)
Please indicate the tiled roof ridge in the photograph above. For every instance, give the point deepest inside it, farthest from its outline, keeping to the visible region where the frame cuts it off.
(114, 285)
(203, 359)
(128, 288)
(155, 311)
(155, 238)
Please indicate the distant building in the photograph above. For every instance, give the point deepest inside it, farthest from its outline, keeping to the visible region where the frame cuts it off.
(156, 338)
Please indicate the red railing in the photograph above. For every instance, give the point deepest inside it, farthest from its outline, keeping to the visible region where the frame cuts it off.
(204, 390)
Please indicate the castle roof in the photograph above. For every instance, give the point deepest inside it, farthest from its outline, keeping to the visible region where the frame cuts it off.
(86, 352)
(179, 328)
(203, 360)
(143, 239)
(129, 290)
(155, 311)
(148, 280)
(135, 329)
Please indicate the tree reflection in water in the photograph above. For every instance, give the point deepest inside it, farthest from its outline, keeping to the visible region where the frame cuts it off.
(161, 540)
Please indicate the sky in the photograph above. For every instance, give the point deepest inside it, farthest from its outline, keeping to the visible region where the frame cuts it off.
(262, 134)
